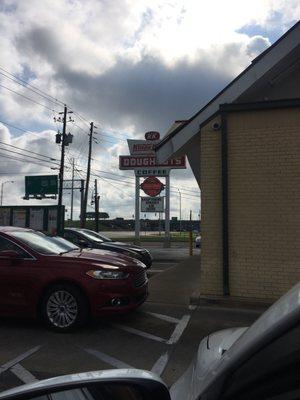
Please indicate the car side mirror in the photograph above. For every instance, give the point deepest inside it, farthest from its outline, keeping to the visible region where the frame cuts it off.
(82, 243)
(9, 254)
(122, 384)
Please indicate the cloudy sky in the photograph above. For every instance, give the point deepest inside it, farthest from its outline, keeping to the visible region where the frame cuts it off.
(129, 66)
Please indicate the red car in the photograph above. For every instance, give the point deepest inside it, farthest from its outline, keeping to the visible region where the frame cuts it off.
(63, 284)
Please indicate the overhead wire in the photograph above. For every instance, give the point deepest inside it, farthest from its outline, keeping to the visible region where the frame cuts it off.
(27, 155)
(27, 98)
(27, 84)
(29, 151)
(20, 160)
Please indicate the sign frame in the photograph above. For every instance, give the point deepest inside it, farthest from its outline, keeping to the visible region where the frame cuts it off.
(155, 204)
(144, 161)
(39, 186)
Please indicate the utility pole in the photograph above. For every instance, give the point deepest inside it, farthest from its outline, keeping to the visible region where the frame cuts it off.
(72, 189)
(88, 173)
(65, 140)
(62, 158)
(96, 201)
(81, 203)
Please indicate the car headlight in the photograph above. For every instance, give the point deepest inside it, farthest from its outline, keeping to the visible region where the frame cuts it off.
(102, 274)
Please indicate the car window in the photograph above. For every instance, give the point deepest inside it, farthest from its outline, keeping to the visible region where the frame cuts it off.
(89, 236)
(6, 244)
(71, 236)
(64, 242)
(39, 242)
(272, 373)
(74, 237)
(97, 235)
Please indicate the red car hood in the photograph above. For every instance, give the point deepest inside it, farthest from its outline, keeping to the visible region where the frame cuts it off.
(104, 257)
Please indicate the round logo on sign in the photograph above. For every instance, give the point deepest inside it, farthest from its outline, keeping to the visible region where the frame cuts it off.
(152, 135)
(152, 186)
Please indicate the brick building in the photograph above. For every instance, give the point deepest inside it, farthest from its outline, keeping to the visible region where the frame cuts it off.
(244, 149)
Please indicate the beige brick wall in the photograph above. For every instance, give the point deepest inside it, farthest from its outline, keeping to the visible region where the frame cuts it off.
(264, 201)
(211, 212)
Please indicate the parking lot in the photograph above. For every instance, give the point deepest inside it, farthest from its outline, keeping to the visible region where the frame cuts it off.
(161, 336)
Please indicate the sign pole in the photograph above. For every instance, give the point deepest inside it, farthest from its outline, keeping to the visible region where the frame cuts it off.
(137, 209)
(167, 213)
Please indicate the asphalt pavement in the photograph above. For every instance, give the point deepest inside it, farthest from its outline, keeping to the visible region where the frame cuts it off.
(162, 335)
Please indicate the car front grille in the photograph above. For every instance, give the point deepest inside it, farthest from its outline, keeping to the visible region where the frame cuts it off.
(140, 279)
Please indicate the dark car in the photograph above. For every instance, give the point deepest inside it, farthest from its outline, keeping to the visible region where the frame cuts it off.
(87, 238)
(62, 283)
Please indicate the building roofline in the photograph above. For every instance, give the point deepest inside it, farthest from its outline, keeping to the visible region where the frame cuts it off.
(253, 63)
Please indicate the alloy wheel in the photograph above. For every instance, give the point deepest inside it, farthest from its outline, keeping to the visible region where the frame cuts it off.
(62, 309)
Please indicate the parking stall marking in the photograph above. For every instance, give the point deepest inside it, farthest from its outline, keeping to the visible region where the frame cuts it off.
(16, 360)
(179, 329)
(160, 365)
(163, 317)
(22, 373)
(108, 359)
(139, 333)
(156, 271)
(181, 324)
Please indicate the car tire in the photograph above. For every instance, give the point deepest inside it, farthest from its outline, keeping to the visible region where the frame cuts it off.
(64, 308)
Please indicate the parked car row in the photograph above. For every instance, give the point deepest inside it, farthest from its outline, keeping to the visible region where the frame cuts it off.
(89, 239)
(64, 284)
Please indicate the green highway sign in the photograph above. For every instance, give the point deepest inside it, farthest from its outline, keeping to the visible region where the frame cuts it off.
(41, 185)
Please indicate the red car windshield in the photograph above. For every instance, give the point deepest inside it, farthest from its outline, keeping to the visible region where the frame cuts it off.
(41, 243)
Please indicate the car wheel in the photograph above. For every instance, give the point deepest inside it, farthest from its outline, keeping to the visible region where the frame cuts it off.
(64, 308)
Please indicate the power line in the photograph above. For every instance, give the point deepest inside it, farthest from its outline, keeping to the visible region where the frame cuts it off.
(26, 86)
(30, 85)
(26, 161)
(25, 155)
(29, 151)
(27, 98)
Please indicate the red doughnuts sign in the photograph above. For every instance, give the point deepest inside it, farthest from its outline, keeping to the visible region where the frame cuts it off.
(152, 186)
(152, 135)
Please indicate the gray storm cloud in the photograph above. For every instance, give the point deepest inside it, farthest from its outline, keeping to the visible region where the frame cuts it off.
(147, 94)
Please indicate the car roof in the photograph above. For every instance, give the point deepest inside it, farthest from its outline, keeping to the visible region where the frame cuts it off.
(7, 229)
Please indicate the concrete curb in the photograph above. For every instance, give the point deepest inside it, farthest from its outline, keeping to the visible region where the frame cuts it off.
(229, 302)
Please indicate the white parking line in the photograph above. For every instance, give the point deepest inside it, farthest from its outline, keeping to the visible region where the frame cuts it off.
(156, 270)
(22, 373)
(114, 362)
(178, 331)
(139, 333)
(164, 317)
(160, 365)
(16, 360)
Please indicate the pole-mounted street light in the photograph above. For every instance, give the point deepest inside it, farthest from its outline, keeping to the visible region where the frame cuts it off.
(2, 184)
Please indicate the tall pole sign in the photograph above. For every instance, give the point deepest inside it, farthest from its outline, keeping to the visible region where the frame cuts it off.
(142, 161)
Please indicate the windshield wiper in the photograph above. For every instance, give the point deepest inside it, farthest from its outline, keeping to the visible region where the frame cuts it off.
(67, 251)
